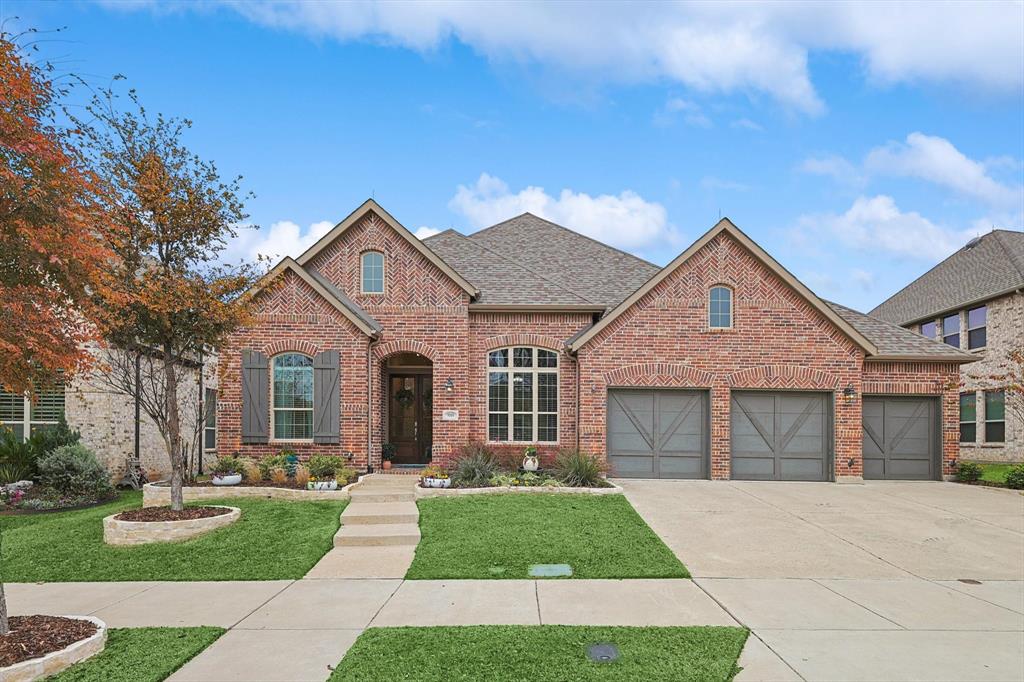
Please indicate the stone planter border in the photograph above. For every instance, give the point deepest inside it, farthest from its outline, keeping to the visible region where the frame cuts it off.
(560, 490)
(154, 495)
(117, 532)
(56, 661)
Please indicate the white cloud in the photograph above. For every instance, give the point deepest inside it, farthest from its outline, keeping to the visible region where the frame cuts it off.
(876, 225)
(835, 167)
(424, 232)
(283, 238)
(936, 160)
(747, 124)
(625, 220)
(689, 111)
(752, 48)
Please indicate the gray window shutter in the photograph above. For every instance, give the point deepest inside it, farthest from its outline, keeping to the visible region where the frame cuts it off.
(255, 392)
(326, 402)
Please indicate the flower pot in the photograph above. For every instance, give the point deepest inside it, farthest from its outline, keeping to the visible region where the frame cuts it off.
(531, 463)
(431, 482)
(229, 479)
(322, 485)
(386, 464)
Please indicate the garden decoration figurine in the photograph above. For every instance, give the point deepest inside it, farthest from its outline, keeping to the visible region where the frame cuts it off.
(530, 461)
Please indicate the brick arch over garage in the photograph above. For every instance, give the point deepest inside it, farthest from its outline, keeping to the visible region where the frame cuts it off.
(290, 346)
(538, 340)
(404, 346)
(660, 374)
(783, 376)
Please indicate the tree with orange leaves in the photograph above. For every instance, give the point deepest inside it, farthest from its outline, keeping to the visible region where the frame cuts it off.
(172, 300)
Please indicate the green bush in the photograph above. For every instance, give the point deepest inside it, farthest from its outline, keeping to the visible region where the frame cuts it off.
(579, 469)
(474, 467)
(324, 467)
(47, 439)
(968, 472)
(226, 466)
(1015, 477)
(74, 471)
(17, 459)
(345, 475)
(268, 464)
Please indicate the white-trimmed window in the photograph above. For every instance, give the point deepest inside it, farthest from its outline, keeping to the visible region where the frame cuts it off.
(24, 417)
(995, 416)
(210, 425)
(522, 395)
(291, 395)
(976, 327)
(373, 272)
(720, 308)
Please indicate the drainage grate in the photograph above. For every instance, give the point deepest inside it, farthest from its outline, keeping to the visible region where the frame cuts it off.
(603, 653)
(969, 581)
(550, 570)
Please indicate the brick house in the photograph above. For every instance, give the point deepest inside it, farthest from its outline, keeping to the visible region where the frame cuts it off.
(974, 301)
(719, 365)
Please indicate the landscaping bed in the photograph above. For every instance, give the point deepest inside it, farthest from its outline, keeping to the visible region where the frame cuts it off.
(155, 514)
(141, 655)
(36, 636)
(273, 540)
(542, 653)
(991, 474)
(503, 536)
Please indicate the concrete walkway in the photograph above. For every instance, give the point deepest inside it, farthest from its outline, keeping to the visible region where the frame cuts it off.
(379, 531)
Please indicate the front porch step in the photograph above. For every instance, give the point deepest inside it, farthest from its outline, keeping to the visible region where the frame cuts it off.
(377, 535)
(379, 513)
(376, 495)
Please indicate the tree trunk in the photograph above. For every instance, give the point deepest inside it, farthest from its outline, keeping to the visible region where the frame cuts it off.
(5, 626)
(173, 430)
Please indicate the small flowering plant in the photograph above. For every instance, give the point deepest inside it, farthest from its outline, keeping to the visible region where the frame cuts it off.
(433, 471)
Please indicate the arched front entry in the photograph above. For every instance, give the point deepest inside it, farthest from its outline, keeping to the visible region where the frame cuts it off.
(409, 406)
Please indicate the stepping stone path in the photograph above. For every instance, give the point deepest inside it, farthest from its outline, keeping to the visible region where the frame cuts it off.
(379, 531)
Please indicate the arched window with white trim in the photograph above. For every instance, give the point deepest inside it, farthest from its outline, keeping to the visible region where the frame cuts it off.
(720, 307)
(373, 272)
(291, 395)
(522, 395)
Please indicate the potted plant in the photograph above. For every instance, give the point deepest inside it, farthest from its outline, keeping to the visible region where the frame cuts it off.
(530, 461)
(387, 453)
(227, 471)
(322, 472)
(435, 477)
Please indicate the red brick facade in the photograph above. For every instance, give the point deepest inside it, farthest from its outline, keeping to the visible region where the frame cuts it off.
(778, 341)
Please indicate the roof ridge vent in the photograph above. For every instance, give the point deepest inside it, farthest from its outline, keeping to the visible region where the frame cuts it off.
(972, 243)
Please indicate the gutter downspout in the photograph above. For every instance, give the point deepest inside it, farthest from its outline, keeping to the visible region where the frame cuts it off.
(576, 359)
(371, 344)
(202, 414)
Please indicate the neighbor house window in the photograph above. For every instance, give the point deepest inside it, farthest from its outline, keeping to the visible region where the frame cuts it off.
(23, 417)
(995, 416)
(373, 272)
(720, 308)
(968, 418)
(951, 330)
(210, 427)
(292, 396)
(928, 329)
(522, 395)
(976, 319)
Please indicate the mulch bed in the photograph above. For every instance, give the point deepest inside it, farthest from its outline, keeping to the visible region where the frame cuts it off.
(168, 514)
(36, 636)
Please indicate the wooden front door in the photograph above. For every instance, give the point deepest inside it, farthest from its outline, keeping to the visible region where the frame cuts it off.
(410, 425)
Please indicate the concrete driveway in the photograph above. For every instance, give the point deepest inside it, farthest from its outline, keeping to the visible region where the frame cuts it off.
(881, 581)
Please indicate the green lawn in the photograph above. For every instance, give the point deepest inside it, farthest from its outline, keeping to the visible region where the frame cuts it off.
(501, 535)
(272, 540)
(541, 653)
(141, 655)
(994, 473)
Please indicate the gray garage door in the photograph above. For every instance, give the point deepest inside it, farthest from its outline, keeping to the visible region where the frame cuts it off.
(900, 437)
(780, 436)
(657, 433)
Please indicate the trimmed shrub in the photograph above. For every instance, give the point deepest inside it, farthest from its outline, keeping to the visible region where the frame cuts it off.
(345, 475)
(226, 466)
(1015, 477)
(47, 439)
(268, 464)
(474, 467)
(968, 472)
(579, 469)
(74, 471)
(324, 467)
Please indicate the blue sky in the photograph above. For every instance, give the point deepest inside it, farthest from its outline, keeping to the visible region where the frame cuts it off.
(859, 144)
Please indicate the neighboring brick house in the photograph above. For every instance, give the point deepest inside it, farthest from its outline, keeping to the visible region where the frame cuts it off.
(108, 420)
(720, 365)
(974, 300)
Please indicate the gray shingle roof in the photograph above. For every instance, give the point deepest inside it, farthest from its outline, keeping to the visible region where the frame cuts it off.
(895, 342)
(565, 266)
(991, 267)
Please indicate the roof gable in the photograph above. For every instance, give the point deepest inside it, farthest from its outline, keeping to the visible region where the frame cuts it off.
(726, 226)
(343, 304)
(989, 266)
(371, 205)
